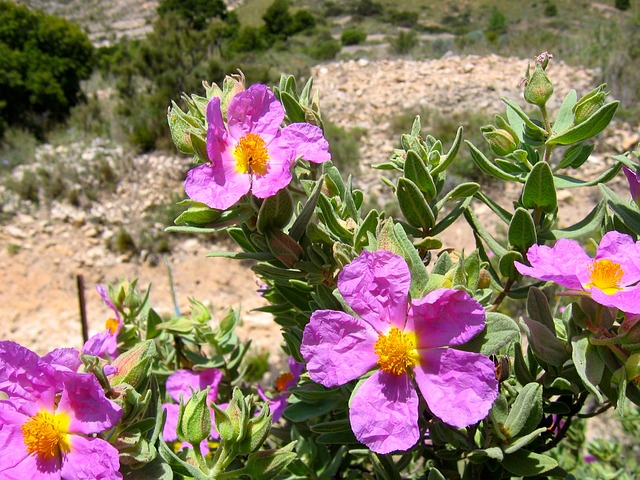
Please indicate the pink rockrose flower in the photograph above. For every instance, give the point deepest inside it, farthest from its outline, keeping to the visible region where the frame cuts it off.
(611, 277)
(401, 341)
(251, 152)
(283, 383)
(105, 344)
(180, 385)
(50, 417)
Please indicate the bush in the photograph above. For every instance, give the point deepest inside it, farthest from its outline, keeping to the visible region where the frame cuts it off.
(403, 18)
(195, 12)
(325, 48)
(404, 42)
(44, 59)
(353, 36)
(496, 25)
(550, 10)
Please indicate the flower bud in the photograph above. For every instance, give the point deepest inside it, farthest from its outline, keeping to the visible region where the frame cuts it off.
(232, 422)
(257, 432)
(484, 278)
(632, 368)
(589, 104)
(538, 88)
(501, 141)
(194, 419)
(133, 366)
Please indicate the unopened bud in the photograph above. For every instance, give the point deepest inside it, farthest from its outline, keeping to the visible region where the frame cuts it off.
(501, 141)
(538, 88)
(589, 104)
(133, 366)
(632, 368)
(194, 420)
(257, 432)
(484, 278)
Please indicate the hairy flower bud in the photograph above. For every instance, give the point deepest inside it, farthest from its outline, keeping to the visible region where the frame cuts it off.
(133, 366)
(501, 141)
(194, 420)
(538, 88)
(589, 104)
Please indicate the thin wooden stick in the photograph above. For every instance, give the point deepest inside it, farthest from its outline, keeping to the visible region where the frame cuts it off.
(83, 308)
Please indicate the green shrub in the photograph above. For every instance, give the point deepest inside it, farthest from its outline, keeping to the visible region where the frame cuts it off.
(195, 12)
(367, 8)
(404, 42)
(324, 48)
(623, 4)
(496, 25)
(353, 36)
(550, 10)
(403, 18)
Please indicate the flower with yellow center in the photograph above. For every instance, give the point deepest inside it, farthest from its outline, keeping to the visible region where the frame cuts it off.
(45, 434)
(251, 154)
(605, 275)
(396, 351)
(111, 325)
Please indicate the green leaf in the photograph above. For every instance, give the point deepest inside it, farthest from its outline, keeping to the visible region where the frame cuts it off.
(462, 190)
(528, 464)
(575, 156)
(275, 211)
(303, 411)
(629, 215)
(292, 107)
(538, 309)
(526, 411)
(545, 344)
(592, 126)
(539, 191)
(588, 364)
(450, 156)
(413, 205)
(522, 231)
(368, 225)
(506, 264)
(500, 330)
(534, 129)
(562, 182)
(524, 440)
(300, 224)
(487, 167)
(451, 217)
(416, 171)
(198, 214)
(565, 114)
(588, 224)
(483, 234)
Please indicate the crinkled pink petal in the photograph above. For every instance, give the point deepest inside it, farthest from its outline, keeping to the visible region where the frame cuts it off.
(255, 110)
(627, 300)
(383, 413)
(219, 186)
(23, 375)
(620, 248)
(307, 141)
(376, 287)
(14, 453)
(459, 387)
(180, 383)
(337, 347)
(84, 401)
(91, 459)
(558, 264)
(171, 423)
(103, 345)
(217, 135)
(445, 317)
(278, 174)
(66, 359)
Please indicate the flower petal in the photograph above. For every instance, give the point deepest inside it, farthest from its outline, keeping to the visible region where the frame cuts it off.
(459, 387)
(278, 174)
(218, 186)
(14, 451)
(84, 401)
(255, 110)
(180, 383)
(383, 413)
(103, 345)
(24, 376)
(627, 300)
(558, 264)
(307, 141)
(91, 458)
(376, 287)
(67, 359)
(620, 248)
(337, 347)
(169, 431)
(104, 293)
(445, 317)
(217, 135)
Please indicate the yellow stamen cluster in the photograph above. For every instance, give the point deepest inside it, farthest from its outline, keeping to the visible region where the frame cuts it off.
(251, 154)
(605, 275)
(45, 434)
(283, 380)
(111, 325)
(396, 351)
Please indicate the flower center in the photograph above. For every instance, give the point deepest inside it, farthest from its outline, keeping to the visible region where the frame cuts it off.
(283, 380)
(396, 351)
(251, 154)
(111, 325)
(605, 275)
(45, 434)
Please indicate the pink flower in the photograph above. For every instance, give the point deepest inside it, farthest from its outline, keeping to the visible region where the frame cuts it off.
(48, 422)
(633, 177)
(611, 278)
(251, 152)
(182, 384)
(283, 383)
(105, 343)
(401, 341)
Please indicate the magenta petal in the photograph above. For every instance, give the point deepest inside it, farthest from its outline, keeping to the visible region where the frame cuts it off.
(255, 110)
(634, 182)
(558, 264)
(627, 300)
(278, 174)
(103, 345)
(376, 287)
(180, 383)
(459, 387)
(217, 136)
(445, 317)
(217, 186)
(91, 458)
(620, 248)
(104, 293)
(169, 431)
(337, 347)
(12, 444)
(307, 141)
(84, 401)
(383, 413)
(67, 359)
